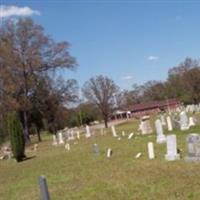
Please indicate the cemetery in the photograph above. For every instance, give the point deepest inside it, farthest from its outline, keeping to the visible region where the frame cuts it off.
(110, 114)
(95, 164)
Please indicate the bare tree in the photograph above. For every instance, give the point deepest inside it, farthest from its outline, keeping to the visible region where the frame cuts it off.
(100, 90)
(26, 53)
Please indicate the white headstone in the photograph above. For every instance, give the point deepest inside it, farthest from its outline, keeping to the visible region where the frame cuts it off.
(171, 149)
(113, 131)
(67, 146)
(130, 135)
(184, 121)
(60, 138)
(151, 150)
(123, 133)
(138, 155)
(88, 134)
(169, 123)
(78, 135)
(191, 122)
(55, 142)
(159, 131)
(109, 153)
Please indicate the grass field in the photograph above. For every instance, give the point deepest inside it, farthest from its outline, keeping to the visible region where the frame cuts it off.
(80, 174)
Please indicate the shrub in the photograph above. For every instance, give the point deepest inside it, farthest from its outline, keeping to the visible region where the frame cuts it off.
(16, 136)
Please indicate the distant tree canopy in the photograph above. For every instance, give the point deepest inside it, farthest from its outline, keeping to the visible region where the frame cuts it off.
(183, 83)
(83, 114)
(28, 59)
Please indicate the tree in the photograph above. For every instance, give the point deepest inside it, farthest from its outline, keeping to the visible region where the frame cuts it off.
(84, 113)
(100, 90)
(16, 136)
(26, 54)
(183, 81)
(51, 100)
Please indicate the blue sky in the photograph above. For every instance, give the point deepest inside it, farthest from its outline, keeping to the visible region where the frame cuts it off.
(129, 41)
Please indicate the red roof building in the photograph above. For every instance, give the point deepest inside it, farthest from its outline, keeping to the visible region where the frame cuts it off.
(154, 106)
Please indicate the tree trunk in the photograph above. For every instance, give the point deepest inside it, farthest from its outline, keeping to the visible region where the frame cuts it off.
(106, 122)
(26, 132)
(38, 135)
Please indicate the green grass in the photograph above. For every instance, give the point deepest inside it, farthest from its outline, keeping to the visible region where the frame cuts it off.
(80, 174)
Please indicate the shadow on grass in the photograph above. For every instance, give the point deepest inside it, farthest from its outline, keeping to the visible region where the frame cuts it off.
(28, 158)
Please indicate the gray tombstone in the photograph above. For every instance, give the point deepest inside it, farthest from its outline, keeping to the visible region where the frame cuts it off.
(184, 125)
(171, 149)
(96, 149)
(145, 126)
(193, 143)
(43, 188)
(159, 131)
(162, 118)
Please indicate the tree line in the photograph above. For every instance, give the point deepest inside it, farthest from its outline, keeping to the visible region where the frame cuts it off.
(31, 87)
(183, 83)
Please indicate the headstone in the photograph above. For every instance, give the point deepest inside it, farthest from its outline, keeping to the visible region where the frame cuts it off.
(130, 135)
(54, 143)
(175, 122)
(169, 123)
(72, 135)
(138, 155)
(123, 133)
(171, 149)
(191, 122)
(43, 188)
(60, 138)
(88, 134)
(163, 122)
(7, 152)
(184, 121)
(67, 146)
(159, 131)
(113, 131)
(78, 135)
(145, 126)
(193, 143)
(35, 147)
(109, 153)
(151, 150)
(96, 149)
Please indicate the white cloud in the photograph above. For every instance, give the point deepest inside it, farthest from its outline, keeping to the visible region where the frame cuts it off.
(152, 58)
(127, 77)
(8, 11)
